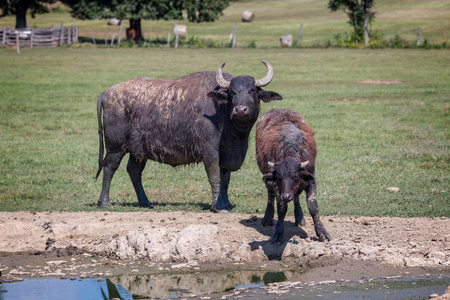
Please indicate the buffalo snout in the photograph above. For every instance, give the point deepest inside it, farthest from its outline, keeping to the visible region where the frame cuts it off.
(286, 197)
(240, 111)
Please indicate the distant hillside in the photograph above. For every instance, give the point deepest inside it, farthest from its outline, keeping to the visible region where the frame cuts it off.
(277, 18)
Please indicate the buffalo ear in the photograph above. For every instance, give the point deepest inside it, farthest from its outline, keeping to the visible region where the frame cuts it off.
(268, 178)
(306, 176)
(219, 96)
(268, 96)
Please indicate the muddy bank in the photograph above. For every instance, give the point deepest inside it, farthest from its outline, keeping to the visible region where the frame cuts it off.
(109, 244)
(189, 239)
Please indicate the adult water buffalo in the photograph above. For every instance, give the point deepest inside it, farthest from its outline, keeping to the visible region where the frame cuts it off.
(201, 117)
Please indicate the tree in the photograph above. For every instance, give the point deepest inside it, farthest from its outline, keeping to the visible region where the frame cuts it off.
(358, 11)
(136, 10)
(20, 8)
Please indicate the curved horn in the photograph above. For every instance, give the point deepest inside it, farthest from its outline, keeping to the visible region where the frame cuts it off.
(304, 164)
(268, 78)
(219, 78)
(271, 165)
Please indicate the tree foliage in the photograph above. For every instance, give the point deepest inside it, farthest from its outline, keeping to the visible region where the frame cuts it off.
(357, 11)
(19, 8)
(197, 11)
(135, 10)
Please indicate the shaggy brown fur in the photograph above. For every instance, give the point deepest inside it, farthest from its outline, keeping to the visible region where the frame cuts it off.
(286, 154)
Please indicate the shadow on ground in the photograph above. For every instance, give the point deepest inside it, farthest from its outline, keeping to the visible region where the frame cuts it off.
(271, 250)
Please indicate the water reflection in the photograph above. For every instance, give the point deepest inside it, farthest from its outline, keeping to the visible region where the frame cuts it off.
(67, 289)
(199, 283)
(138, 286)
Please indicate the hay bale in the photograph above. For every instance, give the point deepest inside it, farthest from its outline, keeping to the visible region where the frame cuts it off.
(248, 16)
(182, 31)
(286, 40)
(113, 22)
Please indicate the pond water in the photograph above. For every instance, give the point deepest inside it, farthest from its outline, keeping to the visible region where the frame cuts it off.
(202, 283)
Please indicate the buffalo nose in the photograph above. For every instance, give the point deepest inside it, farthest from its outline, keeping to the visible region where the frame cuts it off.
(240, 110)
(286, 197)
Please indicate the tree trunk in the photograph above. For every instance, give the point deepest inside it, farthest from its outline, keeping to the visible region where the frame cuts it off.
(135, 32)
(21, 15)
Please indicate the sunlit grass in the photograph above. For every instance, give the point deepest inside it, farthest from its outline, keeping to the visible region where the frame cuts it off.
(370, 136)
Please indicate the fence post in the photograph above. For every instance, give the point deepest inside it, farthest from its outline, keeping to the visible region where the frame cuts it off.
(61, 37)
(176, 35)
(234, 35)
(120, 33)
(17, 42)
(112, 41)
(419, 33)
(31, 38)
(74, 34)
(68, 36)
(93, 40)
(299, 37)
(4, 36)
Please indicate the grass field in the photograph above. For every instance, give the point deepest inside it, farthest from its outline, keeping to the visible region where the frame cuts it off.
(370, 135)
(277, 18)
(381, 117)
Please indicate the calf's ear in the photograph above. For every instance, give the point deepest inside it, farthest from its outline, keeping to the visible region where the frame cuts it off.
(219, 96)
(306, 176)
(268, 178)
(268, 96)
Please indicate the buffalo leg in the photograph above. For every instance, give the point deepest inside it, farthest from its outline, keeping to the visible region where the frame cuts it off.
(270, 209)
(278, 235)
(218, 179)
(213, 172)
(135, 168)
(110, 165)
(223, 203)
(311, 198)
(298, 213)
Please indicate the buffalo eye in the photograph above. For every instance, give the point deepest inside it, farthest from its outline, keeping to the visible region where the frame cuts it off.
(295, 177)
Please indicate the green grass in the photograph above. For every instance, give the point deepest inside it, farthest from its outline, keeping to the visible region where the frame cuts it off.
(274, 19)
(370, 136)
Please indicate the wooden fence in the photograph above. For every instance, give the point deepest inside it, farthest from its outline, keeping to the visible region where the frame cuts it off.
(38, 37)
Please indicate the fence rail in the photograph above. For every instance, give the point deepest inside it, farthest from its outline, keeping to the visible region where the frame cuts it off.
(38, 37)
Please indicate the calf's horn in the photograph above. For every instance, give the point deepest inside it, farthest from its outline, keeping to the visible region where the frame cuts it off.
(222, 82)
(304, 164)
(268, 78)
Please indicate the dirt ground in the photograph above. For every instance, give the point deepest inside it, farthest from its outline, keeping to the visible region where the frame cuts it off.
(87, 244)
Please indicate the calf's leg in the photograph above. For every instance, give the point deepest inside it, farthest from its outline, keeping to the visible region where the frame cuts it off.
(135, 168)
(311, 198)
(298, 213)
(270, 209)
(278, 235)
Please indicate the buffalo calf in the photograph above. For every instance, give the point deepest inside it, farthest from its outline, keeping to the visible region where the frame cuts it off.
(286, 154)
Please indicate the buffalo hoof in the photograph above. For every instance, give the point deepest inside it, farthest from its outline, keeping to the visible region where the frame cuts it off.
(147, 204)
(324, 236)
(103, 204)
(301, 223)
(267, 222)
(222, 211)
(277, 239)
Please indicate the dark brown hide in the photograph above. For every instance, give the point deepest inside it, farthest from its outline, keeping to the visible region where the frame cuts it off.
(284, 141)
(178, 121)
